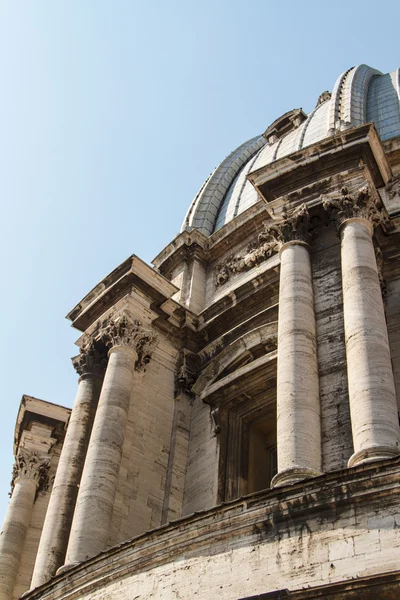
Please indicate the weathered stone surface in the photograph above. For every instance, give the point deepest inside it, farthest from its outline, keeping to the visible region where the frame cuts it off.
(53, 543)
(312, 534)
(228, 362)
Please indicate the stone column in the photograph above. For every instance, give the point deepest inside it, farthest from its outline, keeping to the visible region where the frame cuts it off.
(373, 407)
(298, 405)
(90, 365)
(30, 471)
(129, 345)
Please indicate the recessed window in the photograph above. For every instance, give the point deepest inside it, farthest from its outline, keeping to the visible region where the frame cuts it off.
(262, 465)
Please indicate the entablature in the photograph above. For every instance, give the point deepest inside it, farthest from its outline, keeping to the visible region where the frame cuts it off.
(132, 278)
(323, 168)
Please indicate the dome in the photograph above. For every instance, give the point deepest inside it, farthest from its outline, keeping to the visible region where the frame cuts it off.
(360, 95)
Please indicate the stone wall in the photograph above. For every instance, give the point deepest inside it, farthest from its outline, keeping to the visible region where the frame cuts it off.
(333, 528)
(143, 472)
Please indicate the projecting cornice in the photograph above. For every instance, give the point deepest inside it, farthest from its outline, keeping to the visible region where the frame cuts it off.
(32, 409)
(133, 272)
(186, 245)
(322, 168)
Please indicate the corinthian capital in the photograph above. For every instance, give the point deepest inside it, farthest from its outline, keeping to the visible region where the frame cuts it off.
(126, 331)
(361, 205)
(91, 360)
(296, 226)
(30, 465)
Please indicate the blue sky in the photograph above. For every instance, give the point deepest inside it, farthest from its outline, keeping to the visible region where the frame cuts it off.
(111, 116)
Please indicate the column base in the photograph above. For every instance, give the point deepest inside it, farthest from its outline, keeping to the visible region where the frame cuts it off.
(64, 568)
(293, 475)
(373, 454)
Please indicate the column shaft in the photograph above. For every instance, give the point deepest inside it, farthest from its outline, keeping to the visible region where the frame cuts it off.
(93, 511)
(56, 528)
(298, 407)
(13, 534)
(372, 396)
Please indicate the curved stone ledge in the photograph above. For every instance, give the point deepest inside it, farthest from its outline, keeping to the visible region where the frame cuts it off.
(282, 538)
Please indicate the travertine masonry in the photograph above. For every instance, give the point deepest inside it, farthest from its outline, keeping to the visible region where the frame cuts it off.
(333, 528)
(223, 461)
(372, 394)
(55, 534)
(298, 406)
(91, 524)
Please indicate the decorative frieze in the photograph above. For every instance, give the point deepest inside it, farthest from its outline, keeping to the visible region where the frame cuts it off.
(30, 465)
(363, 205)
(298, 225)
(127, 331)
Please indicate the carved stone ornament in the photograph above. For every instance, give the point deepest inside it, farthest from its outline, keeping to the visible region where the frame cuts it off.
(31, 465)
(91, 360)
(185, 374)
(126, 331)
(299, 226)
(393, 189)
(323, 97)
(296, 226)
(362, 205)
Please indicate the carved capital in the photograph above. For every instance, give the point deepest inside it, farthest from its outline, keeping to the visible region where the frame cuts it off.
(361, 205)
(91, 360)
(30, 464)
(126, 331)
(297, 226)
(185, 374)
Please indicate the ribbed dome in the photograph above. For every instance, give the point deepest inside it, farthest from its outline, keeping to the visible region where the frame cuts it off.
(360, 95)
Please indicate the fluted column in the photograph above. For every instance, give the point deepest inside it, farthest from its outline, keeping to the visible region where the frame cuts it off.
(298, 405)
(128, 344)
(29, 471)
(90, 365)
(372, 396)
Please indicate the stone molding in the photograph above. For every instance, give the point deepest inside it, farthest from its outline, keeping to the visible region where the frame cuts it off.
(29, 464)
(123, 330)
(296, 226)
(360, 205)
(268, 513)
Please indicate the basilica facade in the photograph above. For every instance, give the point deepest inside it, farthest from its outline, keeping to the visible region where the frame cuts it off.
(235, 432)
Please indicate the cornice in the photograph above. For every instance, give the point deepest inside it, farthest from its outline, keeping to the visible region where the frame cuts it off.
(268, 512)
(312, 171)
(133, 272)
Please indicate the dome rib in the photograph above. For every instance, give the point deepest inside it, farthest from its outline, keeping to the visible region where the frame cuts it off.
(360, 95)
(203, 212)
(353, 107)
